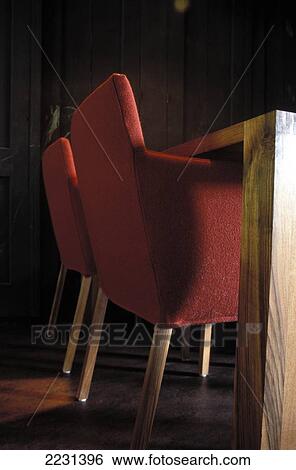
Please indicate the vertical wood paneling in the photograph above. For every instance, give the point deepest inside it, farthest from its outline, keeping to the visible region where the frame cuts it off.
(218, 62)
(275, 79)
(77, 44)
(240, 56)
(20, 198)
(182, 66)
(34, 158)
(288, 45)
(52, 38)
(106, 39)
(195, 76)
(4, 229)
(5, 53)
(154, 73)
(257, 68)
(5, 153)
(131, 44)
(175, 76)
(19, 162)
(244, 110)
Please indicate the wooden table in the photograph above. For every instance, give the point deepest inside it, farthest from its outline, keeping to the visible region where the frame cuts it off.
(265, 377)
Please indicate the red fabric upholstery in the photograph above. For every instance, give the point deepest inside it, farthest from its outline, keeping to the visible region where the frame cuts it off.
(110, 195)
(193, 227)
(65, 207)
(165, 250)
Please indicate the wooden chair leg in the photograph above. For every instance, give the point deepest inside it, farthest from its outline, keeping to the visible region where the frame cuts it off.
(185, 346)
(94, 294)
(76, 326)
(92, 347)
(205, 350)
(151, 388)
(57, 297)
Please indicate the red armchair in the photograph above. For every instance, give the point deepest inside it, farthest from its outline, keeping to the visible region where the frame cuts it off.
(165, 248)
(68, 221)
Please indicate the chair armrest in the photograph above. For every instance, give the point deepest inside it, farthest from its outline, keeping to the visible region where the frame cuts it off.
(166, 163)
(213, 141)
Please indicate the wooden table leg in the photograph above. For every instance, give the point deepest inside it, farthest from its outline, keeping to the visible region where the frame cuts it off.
(264, 409)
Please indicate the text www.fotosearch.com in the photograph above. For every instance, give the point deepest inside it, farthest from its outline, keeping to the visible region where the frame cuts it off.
(154, 460)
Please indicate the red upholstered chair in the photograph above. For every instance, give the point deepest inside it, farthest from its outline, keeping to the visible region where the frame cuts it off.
(68, 221)
(165, 247)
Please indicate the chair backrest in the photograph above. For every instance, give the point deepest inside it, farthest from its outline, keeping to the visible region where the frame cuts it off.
(105, 135)
(65, 207)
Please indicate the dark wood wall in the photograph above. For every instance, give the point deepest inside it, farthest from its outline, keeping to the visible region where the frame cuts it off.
(20, 83)
(182, 66)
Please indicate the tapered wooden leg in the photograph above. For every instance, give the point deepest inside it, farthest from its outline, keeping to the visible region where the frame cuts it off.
(93, 346)
(205, 350)
(57, 297)
(94, 293)
(185, 346)
(92, 299)
(76, 327)
(151, 388)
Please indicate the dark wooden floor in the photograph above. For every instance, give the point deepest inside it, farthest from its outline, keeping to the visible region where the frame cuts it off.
(193, 413)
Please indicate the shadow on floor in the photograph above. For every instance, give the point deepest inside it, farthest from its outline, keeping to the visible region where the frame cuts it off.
(193, 413)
